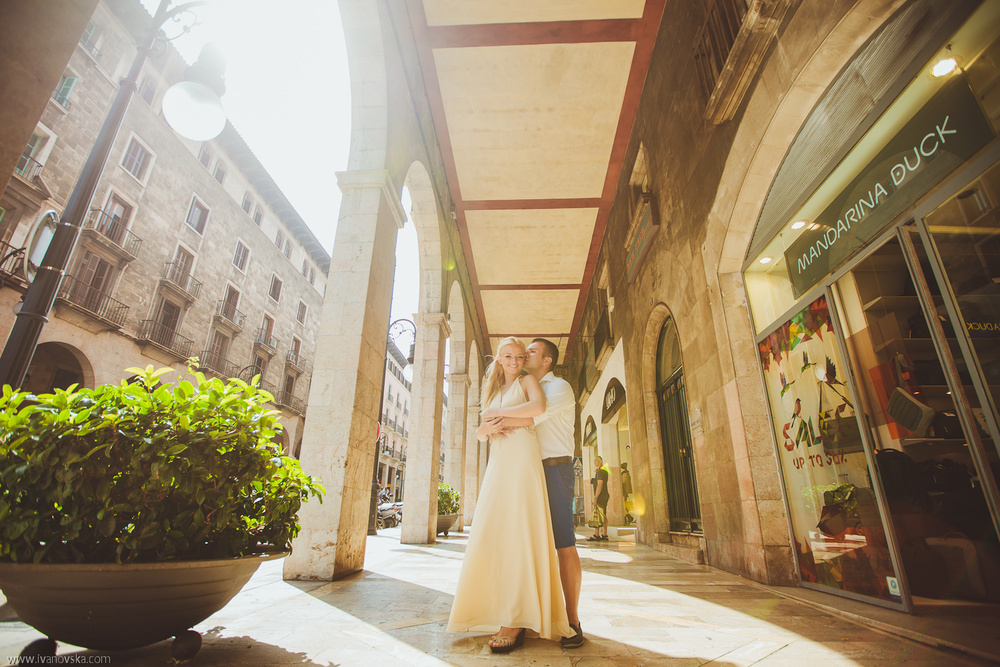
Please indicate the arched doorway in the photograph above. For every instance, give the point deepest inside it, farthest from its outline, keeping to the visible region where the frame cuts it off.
(675, 433)
(57, 366)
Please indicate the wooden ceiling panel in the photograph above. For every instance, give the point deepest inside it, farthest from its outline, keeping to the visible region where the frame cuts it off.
(537, 247)
(468, 12)
(533, 121)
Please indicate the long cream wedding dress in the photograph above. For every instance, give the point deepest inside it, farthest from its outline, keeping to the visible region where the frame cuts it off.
(510, 573)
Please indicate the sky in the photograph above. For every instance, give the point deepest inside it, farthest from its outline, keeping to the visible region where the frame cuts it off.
(288, 95)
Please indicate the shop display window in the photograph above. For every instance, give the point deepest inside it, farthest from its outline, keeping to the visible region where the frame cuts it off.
(837, 529)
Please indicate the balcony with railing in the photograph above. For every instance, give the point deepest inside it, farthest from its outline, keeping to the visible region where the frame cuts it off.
(91, 48)
(27, 168)
(151, 331)
(266, 341)
(110, 232)
(179, 280)
(228, 317)
(287, 400)
(92, 301)
(295, 361)
(216, 362)
(11, 261)
(62, 99)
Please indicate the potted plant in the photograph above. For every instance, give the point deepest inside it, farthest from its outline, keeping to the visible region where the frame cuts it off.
(140, 508)
(447, 508)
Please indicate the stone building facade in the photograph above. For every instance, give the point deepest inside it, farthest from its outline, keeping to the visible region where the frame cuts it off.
(189, 249)
(394, 423)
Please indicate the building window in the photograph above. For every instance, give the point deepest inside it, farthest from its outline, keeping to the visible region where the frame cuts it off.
(197, 216)
(220, 172)
(63, 90)
(260, 365)
(288, 248)
(231, 303)
(715, 39)
(205, 155)
(278, 238)
(147, 90)
(301, 314)
(247, 202)
(258, 215)
(241, 256)
(275, 291)
(312, 275)
(305, 267)
(137, 160)
(88, 40)
(27, 166)
(114, 219)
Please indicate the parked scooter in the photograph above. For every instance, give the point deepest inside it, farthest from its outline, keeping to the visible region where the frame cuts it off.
(388, 516)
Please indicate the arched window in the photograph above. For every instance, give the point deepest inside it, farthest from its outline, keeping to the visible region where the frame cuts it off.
(675, 433)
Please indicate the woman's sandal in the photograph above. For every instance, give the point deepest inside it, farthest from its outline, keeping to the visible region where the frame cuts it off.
(506, 644)
(593, 538)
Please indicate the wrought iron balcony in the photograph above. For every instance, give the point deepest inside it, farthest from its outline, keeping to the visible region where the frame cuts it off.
(61, 99)
(93, 301)
(113, 229)
(230, 315)
(295, 360)
(153, 332)
(11, 259)
(266, 340)
(178, 276)
(214, 361)
(286, 399)
(27, 168)
(92, 49)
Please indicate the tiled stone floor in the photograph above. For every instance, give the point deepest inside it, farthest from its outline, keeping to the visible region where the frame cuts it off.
(639, 607)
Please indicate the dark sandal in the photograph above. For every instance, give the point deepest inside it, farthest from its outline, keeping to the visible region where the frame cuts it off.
(507, 644)
(593, 538)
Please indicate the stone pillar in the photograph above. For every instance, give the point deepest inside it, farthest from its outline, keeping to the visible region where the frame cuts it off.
(454, 471)
(472, 478)
(339, 444)
(424, 445)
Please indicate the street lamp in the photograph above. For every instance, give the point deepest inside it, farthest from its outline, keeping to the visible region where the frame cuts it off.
(397, 329)
(41, 294)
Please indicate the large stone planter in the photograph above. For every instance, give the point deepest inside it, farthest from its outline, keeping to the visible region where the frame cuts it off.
(111, 607)
(446, 522)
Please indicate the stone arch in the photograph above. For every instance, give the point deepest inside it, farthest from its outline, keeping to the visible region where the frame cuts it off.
(773, 120)
(57, 365)
(655, 520)
(427, 222)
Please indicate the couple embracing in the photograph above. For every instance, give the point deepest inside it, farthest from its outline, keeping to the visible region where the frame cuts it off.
(521, 569)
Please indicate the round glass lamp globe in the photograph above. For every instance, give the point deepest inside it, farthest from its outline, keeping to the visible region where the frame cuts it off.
(194, 111)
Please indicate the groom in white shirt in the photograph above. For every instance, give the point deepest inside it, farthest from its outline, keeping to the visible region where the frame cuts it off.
(554, 429)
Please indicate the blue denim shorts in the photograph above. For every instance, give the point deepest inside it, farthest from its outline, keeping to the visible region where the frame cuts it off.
(559, 483)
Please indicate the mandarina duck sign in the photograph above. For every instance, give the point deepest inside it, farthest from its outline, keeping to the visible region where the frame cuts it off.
(940, 136)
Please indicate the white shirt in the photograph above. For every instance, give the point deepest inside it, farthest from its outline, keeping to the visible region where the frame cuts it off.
(554, 427)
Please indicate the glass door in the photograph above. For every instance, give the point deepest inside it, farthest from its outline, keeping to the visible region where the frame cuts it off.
(913, 385)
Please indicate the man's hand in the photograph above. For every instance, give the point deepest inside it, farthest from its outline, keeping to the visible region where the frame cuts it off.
(488, 413)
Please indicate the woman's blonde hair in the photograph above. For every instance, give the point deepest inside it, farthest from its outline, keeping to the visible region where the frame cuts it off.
(494, 373)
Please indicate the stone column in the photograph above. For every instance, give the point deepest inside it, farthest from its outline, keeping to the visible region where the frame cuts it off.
(472, 478)
(424, 445)
(454, 458)
(339, 444)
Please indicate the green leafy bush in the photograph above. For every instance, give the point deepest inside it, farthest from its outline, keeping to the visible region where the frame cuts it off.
(447, 499)
(144, 471)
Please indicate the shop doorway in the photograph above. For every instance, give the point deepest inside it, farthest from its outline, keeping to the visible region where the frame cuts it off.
(921, 320)
(684, 509)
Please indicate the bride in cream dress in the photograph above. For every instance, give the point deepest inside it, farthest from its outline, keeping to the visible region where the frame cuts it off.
(510, 573)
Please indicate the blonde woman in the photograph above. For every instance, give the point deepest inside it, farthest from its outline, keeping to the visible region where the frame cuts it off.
(510, 573)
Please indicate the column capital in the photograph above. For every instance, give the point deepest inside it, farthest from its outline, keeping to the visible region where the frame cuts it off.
(459, 378)
(379, 179)
(433, 319)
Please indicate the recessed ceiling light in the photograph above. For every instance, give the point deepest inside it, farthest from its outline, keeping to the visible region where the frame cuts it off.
(944, 67)
(798, 224)
(765, 260)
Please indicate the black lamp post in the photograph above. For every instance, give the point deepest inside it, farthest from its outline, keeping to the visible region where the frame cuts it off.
(41, 294)
(396, 329)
